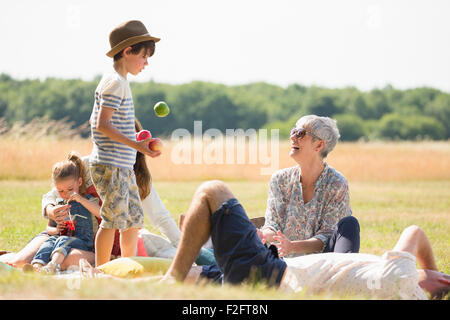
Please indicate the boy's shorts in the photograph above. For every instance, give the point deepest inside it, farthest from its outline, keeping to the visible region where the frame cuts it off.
(121, 208)
(238, 250)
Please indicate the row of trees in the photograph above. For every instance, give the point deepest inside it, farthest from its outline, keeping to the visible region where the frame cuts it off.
(387, 113)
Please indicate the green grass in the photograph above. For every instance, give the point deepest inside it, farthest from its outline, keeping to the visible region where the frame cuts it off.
(383, 210)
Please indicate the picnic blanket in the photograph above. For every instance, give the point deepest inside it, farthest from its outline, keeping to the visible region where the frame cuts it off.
(131, 267)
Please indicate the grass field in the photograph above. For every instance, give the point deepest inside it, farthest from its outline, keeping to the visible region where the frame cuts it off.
(391, 186)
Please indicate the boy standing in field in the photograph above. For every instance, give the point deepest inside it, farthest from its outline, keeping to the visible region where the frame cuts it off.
(114, 142)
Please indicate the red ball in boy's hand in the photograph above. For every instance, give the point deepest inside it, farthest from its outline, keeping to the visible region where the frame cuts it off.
(142, 135)
(155, 145)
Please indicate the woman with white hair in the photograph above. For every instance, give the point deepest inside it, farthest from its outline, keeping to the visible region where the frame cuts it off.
(308, 208)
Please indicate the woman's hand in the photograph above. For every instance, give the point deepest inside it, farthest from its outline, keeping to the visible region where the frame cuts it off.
(284, 245)
(58, 213)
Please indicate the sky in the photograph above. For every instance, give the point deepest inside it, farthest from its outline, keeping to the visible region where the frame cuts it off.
(332, 43)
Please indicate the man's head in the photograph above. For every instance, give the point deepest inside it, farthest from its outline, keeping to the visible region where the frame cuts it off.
(319, 128)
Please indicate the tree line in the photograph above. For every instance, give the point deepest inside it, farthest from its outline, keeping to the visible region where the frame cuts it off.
(383, 113)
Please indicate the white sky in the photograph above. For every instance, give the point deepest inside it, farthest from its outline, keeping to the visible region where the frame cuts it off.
(332, 43)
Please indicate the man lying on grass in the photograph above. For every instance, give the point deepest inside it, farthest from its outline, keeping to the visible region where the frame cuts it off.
(242, 255)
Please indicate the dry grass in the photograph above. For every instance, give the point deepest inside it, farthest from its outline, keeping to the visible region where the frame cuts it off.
(33, 159)
(43, 128)
(392, 161)
(23, 159)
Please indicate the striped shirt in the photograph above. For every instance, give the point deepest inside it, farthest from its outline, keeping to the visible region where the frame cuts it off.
(113, 91)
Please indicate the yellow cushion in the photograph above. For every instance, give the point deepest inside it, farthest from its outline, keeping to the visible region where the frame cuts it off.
(136, 266)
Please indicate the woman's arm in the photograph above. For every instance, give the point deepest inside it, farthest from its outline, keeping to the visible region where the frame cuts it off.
(51, 210)
(337, 207)
(285, 246)
(48, 199)
(54, 228)
(160, 217)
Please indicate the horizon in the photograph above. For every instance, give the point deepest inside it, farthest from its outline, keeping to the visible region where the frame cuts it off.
(240, 84)
(94, 78)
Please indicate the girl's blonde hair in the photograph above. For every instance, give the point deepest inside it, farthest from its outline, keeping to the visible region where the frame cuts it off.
(73, 167)
(141, 171)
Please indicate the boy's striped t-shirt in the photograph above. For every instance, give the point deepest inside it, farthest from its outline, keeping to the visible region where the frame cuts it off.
(113, 91)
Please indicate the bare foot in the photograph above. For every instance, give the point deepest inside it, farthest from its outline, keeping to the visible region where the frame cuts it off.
(51, 268)
(88, 271)
(167, 279)
(28, 267)
(37, 267)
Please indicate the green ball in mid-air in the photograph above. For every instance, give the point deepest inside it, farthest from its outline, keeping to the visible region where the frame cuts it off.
(161, 109)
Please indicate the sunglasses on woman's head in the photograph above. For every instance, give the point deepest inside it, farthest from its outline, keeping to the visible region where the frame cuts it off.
(299, 133)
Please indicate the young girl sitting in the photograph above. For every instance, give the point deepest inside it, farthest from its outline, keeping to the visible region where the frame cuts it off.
(78, 232)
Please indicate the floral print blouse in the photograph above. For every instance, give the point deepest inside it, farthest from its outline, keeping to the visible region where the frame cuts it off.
(318, 218)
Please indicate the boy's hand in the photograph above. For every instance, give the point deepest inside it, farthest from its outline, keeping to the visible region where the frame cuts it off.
(142, 146)
(58, 213)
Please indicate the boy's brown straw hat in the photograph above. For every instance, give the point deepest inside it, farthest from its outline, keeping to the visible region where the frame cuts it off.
(127, 34)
